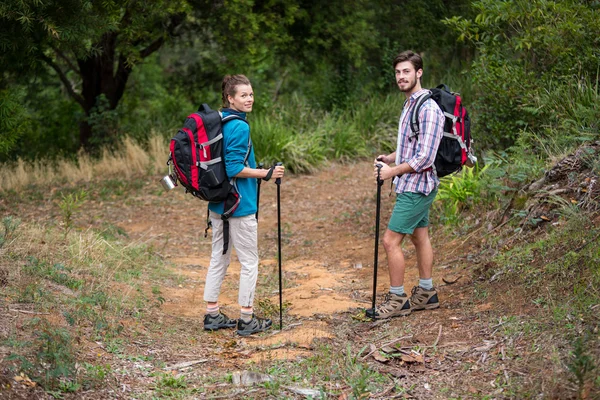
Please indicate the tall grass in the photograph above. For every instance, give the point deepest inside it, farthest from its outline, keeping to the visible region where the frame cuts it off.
(131, 159)
(93, 283)
(295, 133)
(303, 137)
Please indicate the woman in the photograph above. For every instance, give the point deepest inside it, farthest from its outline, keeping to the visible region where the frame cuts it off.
(240, 165)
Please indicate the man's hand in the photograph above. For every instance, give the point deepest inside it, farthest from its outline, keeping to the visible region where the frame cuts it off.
(384, 173)
(384, 159)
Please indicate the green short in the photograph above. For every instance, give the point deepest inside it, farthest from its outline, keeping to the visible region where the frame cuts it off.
(411, 211)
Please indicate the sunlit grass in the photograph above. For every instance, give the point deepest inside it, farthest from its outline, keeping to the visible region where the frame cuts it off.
(131, 159)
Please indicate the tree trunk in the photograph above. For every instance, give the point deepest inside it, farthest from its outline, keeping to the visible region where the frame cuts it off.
(85, 134)
(106, 73)
(99, 78)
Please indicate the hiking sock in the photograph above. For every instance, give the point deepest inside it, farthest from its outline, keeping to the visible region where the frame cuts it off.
(397, 290)
(426, 284)
(213, 311)
(246, 314)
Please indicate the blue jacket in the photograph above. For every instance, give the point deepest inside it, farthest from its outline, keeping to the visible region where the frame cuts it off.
(236, 137)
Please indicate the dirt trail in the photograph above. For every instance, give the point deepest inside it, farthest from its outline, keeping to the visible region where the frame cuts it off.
(327, 251)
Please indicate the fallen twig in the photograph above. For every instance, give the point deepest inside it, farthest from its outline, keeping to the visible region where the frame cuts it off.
(290, 326)
(386, 391)
(438, 337)
(396, 340)
(185, 364)
(469, 235)
(449, 282)
(496, 275)
(28, 312)
(386, 345)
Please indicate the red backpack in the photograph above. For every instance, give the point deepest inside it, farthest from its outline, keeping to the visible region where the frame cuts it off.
(455, 149)
(196, 153)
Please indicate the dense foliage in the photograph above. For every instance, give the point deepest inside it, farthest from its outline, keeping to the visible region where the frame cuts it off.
(86, 74)
(105, 69)
(90, 47)
(537, 68)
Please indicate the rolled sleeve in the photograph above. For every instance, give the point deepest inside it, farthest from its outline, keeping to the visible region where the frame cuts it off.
(431, 123)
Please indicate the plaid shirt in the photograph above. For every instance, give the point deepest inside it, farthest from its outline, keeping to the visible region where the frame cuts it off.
(419, 152)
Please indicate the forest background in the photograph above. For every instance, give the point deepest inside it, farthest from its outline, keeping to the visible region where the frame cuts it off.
(82, 80)
(83, 75)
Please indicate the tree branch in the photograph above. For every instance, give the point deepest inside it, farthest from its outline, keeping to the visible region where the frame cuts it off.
(123, 69)
(152, 47)
(64, 58)
(77, 97)
(121, 76)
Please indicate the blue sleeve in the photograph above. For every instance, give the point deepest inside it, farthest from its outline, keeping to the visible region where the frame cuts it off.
(236, 146)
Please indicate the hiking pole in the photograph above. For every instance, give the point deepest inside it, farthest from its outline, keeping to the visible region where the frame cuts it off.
(260, 166)
(278, 183)
(377, 213)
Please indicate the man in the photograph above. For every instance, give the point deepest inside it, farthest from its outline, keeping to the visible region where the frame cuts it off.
(416, 185)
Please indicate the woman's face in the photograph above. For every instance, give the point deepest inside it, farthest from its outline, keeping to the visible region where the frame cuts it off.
(243, 99)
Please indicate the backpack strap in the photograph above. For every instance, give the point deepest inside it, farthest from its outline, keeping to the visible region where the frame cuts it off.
(414, 116)
(231, 204)
(233, 199)
(208, 222)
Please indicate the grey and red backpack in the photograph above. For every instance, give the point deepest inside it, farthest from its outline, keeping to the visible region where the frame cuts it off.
(455, 149)
(196, 154)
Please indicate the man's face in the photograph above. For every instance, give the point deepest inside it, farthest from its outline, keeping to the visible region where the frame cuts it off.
(406, 76)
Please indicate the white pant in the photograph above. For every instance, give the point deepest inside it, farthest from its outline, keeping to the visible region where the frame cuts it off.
(243, 236)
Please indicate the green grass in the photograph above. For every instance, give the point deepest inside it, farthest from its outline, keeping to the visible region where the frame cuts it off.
(303, 138)
(561, 271)
(92, 282)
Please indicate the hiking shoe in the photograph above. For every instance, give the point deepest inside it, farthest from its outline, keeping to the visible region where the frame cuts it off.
(220, 321)
(423, 299)
(393, 306)
(255, 325)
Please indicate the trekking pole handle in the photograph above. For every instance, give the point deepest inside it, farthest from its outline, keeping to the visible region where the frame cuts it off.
(379, 180)
(278, 180)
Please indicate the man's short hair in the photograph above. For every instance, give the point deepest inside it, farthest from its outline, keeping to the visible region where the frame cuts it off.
(411, 56)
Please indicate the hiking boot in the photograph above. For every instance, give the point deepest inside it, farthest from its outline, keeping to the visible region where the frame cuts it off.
(255, 325)
(423, 299)
(393, 306)
(220, 321)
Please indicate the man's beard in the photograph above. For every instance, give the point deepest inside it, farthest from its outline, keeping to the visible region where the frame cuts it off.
(410, 88)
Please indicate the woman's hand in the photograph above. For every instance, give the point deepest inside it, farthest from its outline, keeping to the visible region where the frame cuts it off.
(274, 172)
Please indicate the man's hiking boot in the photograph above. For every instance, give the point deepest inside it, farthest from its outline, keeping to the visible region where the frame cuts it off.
(255, 325)
(423, 299)
(393, 306)
(220, 321)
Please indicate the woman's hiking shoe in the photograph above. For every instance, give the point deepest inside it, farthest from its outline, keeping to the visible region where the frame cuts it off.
(255, 325)
(423, 299)
(393, 306)
(220, 321)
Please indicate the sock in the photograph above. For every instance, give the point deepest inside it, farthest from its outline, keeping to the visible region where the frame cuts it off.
(246, 314)
(397, 290)
(213, 311)
(426, 284)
